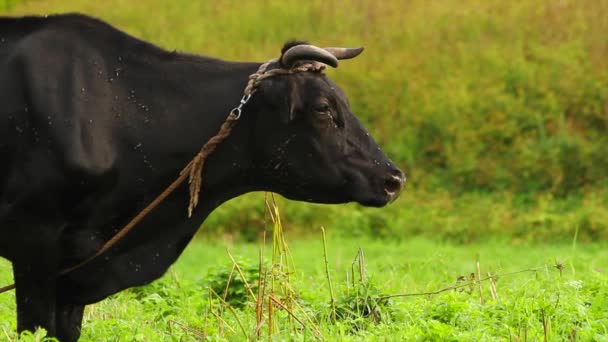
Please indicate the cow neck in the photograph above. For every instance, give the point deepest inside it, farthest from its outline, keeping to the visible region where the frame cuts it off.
(233, 169)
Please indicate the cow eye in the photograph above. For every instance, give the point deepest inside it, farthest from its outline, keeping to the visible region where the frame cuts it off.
(323, 108)
(325, 114)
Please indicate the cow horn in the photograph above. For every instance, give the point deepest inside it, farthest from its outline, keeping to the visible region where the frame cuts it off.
(308, 52)
(344, 53)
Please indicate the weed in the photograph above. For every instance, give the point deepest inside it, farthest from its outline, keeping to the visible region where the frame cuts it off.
(364, 305)
(234, 287)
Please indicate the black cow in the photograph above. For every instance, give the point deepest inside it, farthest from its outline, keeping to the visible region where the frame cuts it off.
(95, 123)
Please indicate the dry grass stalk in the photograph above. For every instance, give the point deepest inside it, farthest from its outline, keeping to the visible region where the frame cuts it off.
(234, 313)
(238, 268)
(481, 297)
(196, 332)
(331, 290)
(493, 292)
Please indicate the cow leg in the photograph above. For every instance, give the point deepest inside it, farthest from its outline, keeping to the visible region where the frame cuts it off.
(35, 292)
(69, 321)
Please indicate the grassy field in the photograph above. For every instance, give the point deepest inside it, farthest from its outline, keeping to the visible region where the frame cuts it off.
(542, 300)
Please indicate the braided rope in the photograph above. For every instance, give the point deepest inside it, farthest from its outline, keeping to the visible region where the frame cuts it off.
(195, 167)
(193, 171)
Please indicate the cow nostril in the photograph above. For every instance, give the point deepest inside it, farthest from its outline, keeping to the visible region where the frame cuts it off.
(393, 184)
(398, 174)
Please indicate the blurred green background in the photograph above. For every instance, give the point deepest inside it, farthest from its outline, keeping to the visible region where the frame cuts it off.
(497, 110)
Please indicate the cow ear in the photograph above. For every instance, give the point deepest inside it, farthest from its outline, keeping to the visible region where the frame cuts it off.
(293, 100)
(284, 97)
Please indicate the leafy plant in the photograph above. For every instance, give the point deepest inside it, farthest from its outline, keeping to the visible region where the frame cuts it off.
(227, 282)
(363, 306)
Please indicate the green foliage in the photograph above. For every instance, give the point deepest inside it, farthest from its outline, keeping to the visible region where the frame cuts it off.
(483, 95)
(6, 5)
(363, 306)
(497, 110)
(227, 282)
(565, 303)
(38, 336)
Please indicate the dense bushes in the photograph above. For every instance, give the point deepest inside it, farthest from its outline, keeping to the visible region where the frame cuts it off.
(6, 5)
(492, 95)
(469, 97)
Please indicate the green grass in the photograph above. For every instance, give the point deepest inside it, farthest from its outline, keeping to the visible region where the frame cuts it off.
(573, 302)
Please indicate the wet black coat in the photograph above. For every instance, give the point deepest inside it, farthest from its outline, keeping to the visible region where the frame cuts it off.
(95, 123)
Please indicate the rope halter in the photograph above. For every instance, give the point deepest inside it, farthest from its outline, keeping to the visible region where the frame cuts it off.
(195, 167)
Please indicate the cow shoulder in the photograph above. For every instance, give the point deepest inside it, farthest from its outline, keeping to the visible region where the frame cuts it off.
(68, 101)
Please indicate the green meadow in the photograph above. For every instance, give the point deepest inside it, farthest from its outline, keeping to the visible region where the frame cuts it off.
(555, 290)
(498, 113)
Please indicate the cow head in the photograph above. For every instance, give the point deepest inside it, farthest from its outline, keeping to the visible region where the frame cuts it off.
(310, 146)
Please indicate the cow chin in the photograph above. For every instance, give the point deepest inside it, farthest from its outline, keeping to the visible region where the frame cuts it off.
(364, 194)
(374, 201)
(377, 190)
(319, 196)
(370, 198)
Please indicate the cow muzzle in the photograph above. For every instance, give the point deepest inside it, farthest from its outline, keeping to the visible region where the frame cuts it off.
(394, 184)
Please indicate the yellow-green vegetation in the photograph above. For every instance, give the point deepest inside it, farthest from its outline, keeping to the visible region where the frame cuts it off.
(497, 111)
(478, 95)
